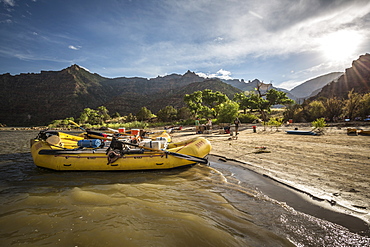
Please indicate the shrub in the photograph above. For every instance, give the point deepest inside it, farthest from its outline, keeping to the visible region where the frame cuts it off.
(319, 123)
(275, 122)
(247, 118)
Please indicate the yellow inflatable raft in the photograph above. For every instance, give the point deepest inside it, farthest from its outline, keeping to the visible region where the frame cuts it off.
(61, 151)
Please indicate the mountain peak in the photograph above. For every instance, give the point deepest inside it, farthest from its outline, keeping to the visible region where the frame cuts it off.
(313, 86)
(188, 73)
(75, 67)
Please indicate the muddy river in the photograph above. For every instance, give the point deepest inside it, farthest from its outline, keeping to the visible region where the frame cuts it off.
(222, 204)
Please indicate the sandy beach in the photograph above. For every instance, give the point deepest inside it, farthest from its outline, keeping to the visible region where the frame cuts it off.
(334, 166)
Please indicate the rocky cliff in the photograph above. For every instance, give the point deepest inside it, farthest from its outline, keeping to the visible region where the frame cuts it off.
(36, 99)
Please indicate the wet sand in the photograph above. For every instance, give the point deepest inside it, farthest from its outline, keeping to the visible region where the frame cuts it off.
(334, 166)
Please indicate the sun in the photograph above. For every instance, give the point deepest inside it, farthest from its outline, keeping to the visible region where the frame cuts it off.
(340, 46)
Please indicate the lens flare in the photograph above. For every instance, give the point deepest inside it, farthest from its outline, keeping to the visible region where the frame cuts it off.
(340, 46)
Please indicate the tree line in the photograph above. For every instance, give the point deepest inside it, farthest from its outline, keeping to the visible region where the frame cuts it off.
(354, 107)
(248, 106)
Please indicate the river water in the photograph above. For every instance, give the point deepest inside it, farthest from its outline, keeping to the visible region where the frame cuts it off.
(222, 204)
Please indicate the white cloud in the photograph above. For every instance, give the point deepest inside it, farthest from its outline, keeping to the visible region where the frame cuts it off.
(8, 21)
(222, 74)
(76, 48)
(9, 2)
(218, 39)
(278, 30)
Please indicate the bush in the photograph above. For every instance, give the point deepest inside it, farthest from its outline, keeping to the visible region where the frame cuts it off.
(247, 118)
(61, 123)
(130, 125)
(186, 122)
(319, 123)
(275, 122)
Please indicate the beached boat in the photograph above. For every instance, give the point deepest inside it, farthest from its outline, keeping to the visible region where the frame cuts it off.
(364, 132)
(300, 132)
(354, 131)
(61, 151)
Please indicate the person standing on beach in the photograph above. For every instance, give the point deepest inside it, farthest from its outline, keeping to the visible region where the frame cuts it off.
(236, 122)
(209, 124)
(196, 125)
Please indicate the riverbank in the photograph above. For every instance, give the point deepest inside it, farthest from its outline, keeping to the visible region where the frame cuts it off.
(334, 166)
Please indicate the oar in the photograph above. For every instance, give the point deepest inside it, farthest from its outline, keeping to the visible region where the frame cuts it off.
(178, 155)
(90, 133)
(76, 125)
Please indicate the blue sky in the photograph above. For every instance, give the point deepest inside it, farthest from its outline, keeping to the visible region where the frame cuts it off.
(285, 42)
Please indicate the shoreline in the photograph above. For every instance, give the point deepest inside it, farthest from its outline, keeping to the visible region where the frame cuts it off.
(331, 168)
(301, 201)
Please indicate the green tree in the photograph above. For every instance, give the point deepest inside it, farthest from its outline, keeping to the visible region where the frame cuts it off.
(167, 114)
(294, 112)
(314, 110)
(364, 110)
(116, 115)
(194, 101)
(94, 117)
(212, 101)
(89, 116)
(243, 100)
(228, 112)
(263, 102)
(184, 113)
(333, 108)
(131, 118)
(205, 103)
(144, 114)
(103, 113)
(352, 105)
